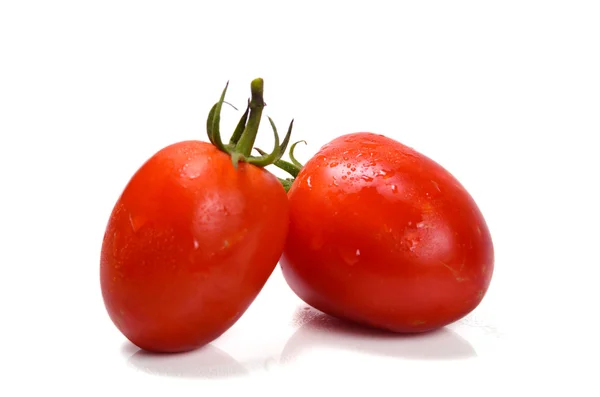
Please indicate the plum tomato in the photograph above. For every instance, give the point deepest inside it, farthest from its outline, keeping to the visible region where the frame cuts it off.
(384, 236)
(194, 236)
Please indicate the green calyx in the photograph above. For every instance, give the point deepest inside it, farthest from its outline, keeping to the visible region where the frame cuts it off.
(243, 137)
(292, 167)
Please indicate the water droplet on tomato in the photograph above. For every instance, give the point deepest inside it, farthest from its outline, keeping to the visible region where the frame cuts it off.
(308, 182)
(196, 244)
(353, 169)
(366, 178)
(333, 164)
(386, 174)
(344, 177)
(411, 236)
(136, 222)
(194, 167)
(394, 188)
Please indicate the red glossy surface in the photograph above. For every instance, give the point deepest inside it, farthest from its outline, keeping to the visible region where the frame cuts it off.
(189, 245)
(382, 235)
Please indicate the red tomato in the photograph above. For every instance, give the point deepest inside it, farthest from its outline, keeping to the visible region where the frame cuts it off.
(189, 245)
(192, 240)
(384, 236)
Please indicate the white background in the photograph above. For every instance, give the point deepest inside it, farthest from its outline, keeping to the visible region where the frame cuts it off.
(505, 95)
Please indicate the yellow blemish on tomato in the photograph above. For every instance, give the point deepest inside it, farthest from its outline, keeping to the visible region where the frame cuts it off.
(427, 208)
(417, 322)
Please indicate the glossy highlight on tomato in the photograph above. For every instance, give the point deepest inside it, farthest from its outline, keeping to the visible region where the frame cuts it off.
(193, 238)
(385, 236)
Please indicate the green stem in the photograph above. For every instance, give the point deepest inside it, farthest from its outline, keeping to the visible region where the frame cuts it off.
(282, 164)
(257, 104)
(292, 157)
(243, 137)
(286, 183)
(239, 129)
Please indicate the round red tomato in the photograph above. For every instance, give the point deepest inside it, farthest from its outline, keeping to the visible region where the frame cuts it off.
(193, 238)
(384, 236)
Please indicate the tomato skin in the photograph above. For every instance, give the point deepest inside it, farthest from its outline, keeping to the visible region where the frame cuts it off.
(189, 245)
(384, 236)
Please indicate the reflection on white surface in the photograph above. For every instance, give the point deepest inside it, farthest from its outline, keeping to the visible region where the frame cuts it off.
(207, 362)
(313, 330)
(318, 329)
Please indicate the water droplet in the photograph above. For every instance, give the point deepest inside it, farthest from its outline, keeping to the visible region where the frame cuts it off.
(421, 225)
(308, 182)
(394, 188)
(196, 244)
(344, 177)
(136, 222)
(357, 252)
(333, 164)
(345, 158)
(386, 174)
(366, 178)
(412, 238)
(194, 167)
(353, 169)
(348, 165)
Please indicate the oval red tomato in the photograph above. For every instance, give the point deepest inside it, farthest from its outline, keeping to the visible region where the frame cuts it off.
(382, 235)
(189, 245)
(192, 239)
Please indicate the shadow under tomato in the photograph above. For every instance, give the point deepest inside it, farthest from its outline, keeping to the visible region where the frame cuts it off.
(320, 330)
(208, 362)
